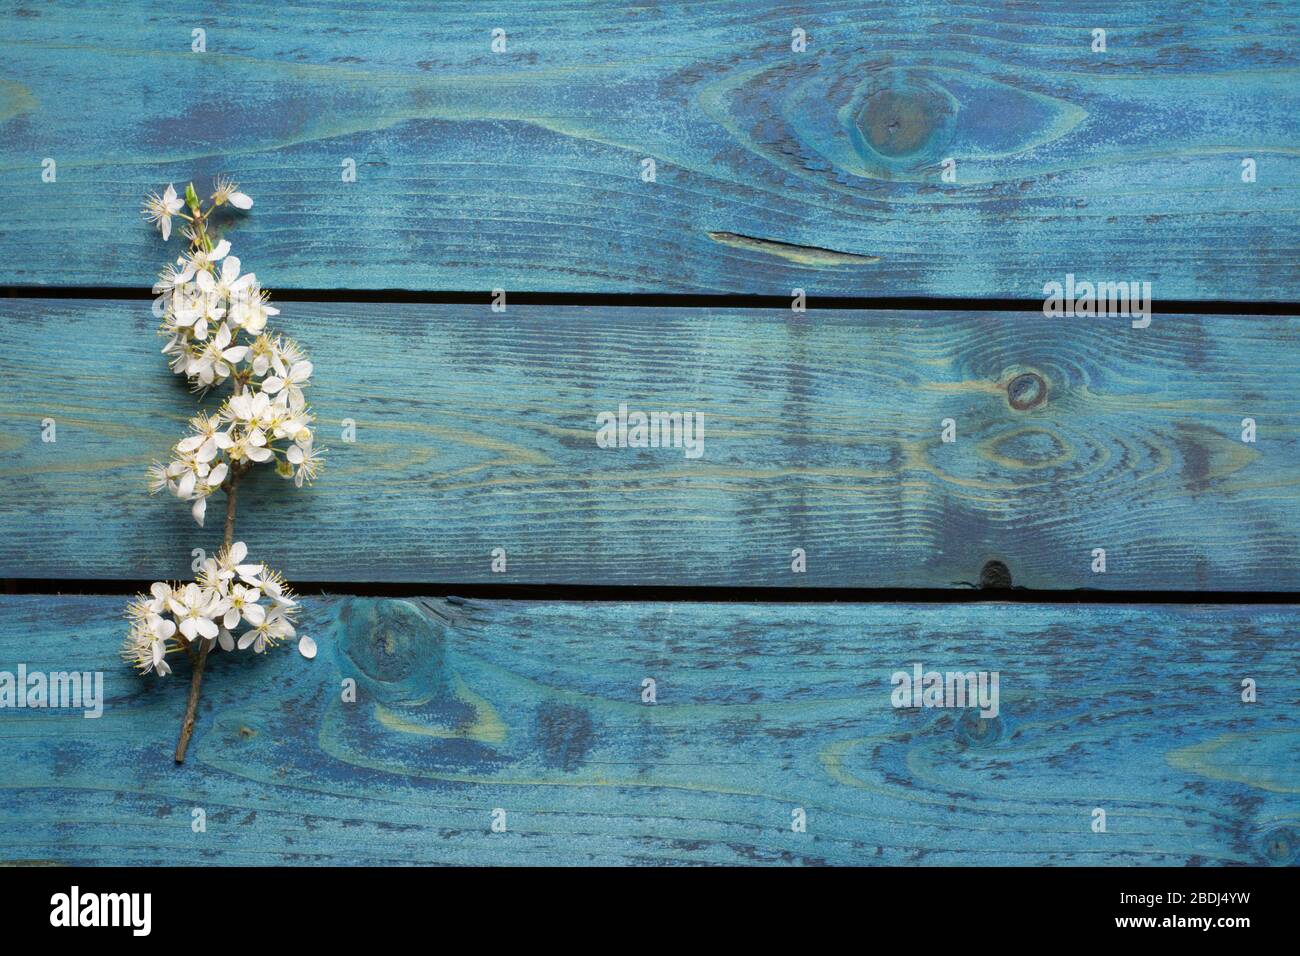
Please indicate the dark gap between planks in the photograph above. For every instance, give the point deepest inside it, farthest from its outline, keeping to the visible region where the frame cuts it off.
(664, 300)
(969, 594)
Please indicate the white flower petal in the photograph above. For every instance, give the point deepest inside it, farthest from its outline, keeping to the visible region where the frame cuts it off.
(307, 647)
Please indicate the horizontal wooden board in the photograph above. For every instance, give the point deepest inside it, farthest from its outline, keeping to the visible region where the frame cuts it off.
(774, 169)
(822, 431)
(536, 709)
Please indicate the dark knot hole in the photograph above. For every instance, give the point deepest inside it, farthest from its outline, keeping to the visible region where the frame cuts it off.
(995, 574)
(1026, 391)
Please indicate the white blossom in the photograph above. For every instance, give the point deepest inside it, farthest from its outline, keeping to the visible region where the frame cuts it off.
(250, 311)
(202, 260)
(160, 593)
(159, 480)
(160, 209)
(226, 191)
(145, 651)
(230, 562)
(194, 608)
(227, 283)
(306, 463)
(243, 604)
(274, 628)
(291, 383)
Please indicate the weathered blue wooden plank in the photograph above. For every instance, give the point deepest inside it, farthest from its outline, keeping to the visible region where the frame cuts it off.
(536, 709)
(775, 169)
(823, 431)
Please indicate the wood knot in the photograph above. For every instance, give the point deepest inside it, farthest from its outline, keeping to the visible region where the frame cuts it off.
(394, 649)
(1026, 390)
(1280, 846)
(995, 574)
(901, 119)
(976, 731)
(904, 118)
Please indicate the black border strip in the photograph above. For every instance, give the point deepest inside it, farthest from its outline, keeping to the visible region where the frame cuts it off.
(664, 300)
(994, 901)
(960, 593)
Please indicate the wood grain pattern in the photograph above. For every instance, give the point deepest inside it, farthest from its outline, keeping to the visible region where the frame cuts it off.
(775, 169)
(536, 708)
(821, 431)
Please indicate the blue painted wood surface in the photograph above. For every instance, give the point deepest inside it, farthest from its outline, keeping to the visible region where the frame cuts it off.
(535, 708)
(774, 169)
(821, 431)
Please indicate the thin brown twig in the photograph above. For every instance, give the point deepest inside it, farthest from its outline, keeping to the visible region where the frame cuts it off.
(196, 673)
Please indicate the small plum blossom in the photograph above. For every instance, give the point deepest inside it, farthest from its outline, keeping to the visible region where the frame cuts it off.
(151, 635)
(160, 209)
(227, 191)
(304, 461)
(213, 321)
(290, 384)
(195, 609)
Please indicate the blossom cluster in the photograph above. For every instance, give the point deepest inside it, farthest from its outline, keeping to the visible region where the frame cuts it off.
(229, 594)
(214, 318)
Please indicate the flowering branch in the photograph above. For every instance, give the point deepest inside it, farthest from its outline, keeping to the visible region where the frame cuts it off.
(214, 319)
